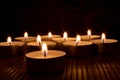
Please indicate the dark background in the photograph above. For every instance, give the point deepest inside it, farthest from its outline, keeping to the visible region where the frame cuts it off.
(73, 16)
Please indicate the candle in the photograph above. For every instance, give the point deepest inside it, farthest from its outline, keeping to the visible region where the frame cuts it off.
(33, 46)
(26, 38)
(59, 41)
(49, 36)
(36, 45)
(64, 38)
(45, 62)
(89, 36)
(77, 48)
(11, 48)
(106, 46)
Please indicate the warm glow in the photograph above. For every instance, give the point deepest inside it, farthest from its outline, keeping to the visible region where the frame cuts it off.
(89, 33)
(25, 35)
(103, 37)
(78, 39)
(49, 34)
(44, 49)
(9, 40)
(65, 36)
(38, 39)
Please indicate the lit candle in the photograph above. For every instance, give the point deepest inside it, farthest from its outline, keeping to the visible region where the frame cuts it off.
(49, 36)
(78, 47)
(106, 45)
(26, 38)
(89, 36)
(45, 61)
(33, 46)
(11, 48)
(64, 38)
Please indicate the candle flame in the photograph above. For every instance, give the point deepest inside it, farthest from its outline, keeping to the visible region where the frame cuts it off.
(49, 34)
(9, 40)
(103, 37)
(78, 39)
(44, 49)
(26, 35)
(65, 36)
(89, 32)
(38, 39)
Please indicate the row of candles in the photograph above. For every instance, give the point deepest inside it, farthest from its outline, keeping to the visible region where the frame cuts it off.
(46, 61)
(65, 36)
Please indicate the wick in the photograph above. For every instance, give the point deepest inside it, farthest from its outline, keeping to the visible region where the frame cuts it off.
(44, 54)
(89, 37)
(77, 43)
(64, 39)
(103, 41)
(10, 43)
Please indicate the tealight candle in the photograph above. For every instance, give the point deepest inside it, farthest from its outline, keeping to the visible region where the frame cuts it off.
(45, 61)
(26, 38)
(59, 41)
(106, 45)
(89, 36)
(78, 47)
(36, 45)
(11, 48)
(49, 36)
(64, 38)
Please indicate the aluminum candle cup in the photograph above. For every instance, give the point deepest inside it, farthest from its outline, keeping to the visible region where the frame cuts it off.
(59, 42)
(106, 47)
(14, 49)
(33, 46)
(83, 48)
(53, 62)
(87, 38)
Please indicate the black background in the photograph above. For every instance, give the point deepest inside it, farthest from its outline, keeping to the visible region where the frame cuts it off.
(73, 16)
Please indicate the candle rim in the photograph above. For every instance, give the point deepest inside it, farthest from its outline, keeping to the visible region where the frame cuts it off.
(60, 53)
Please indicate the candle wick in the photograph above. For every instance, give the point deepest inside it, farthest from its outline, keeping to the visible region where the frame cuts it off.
(103, 41)
(44, 54)
(77, 43)
(10, 43)
(89, 37)
(64, 39)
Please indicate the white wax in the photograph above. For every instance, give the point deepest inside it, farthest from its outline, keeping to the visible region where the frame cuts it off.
(37, 44)
(51, 54)
(98, 41)
(14, 43)
(62, 40)
(30, 38)
(73, 43)
(86, 37)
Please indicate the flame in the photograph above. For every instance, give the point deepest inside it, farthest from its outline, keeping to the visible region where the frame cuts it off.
(78, 39)
(44, 49)
(103, 37)
(89, 33)
(38, 39)
(65, 36)
(49, 34)
(9, 40)
(25, 35)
